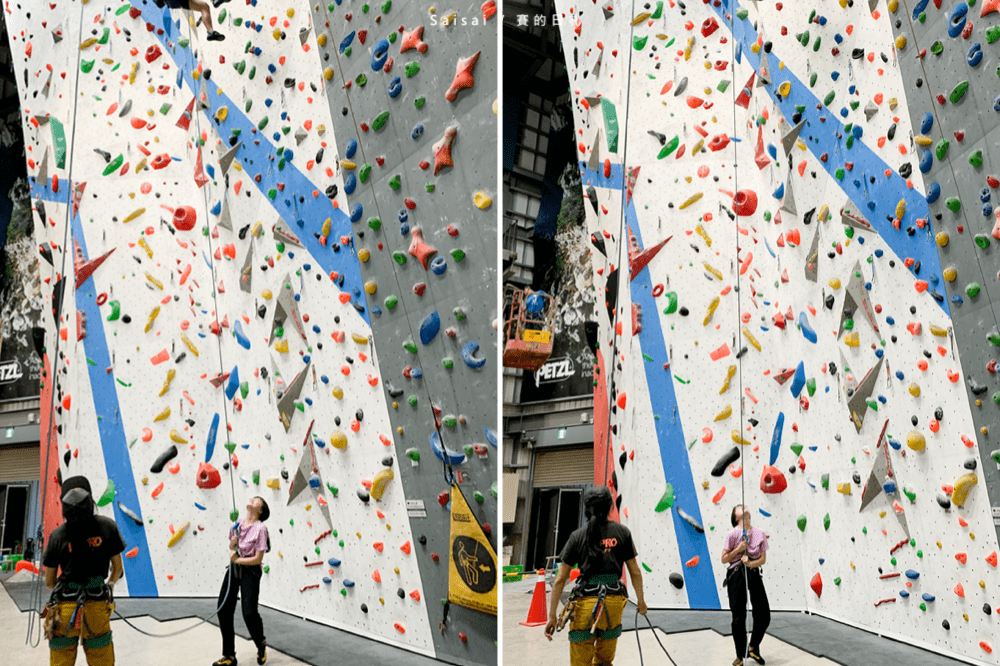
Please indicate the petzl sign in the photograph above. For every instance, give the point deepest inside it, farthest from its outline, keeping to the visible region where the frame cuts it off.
(472, 568)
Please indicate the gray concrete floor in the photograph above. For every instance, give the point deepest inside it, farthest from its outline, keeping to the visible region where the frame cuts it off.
(703, 638)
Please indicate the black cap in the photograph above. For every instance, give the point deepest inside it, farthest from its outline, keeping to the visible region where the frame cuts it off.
(597, 501)
(76, 482)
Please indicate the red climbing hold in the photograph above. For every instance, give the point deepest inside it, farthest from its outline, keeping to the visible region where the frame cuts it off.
(463, 76)
(772, 481)
(185, 218)
(208, 476)
(745, 203)
(992, 559)
(817, 585)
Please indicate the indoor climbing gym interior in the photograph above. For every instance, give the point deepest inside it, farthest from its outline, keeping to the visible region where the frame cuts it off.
(762, 240)
(250, 262)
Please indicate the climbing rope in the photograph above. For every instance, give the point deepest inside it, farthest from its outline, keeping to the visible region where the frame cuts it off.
(739, 307)
(34, 635)
(652, 631)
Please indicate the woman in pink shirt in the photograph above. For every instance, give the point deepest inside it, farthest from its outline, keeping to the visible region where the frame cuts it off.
(745, 551)
(248, 541)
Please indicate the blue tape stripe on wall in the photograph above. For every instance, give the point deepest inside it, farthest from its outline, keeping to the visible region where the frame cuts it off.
(885, 193)
(139, 569)
(700, 580)
(303, 218)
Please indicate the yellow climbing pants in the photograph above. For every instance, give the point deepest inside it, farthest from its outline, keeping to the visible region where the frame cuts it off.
(597, 648)
(93, 625)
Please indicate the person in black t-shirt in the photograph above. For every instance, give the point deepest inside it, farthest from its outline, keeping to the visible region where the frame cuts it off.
(601, 548)
(81, 551)
(200, 6)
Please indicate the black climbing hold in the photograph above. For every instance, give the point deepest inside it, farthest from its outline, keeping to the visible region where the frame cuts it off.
(163, 459)
(676, 580)
(970, 464)
(725, 461)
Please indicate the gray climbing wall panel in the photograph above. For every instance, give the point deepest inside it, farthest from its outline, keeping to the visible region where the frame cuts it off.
(397, 204)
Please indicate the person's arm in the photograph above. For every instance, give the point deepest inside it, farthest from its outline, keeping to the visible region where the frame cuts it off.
(117, 570)
(50, 577)
(635, 573)
(557, 589)
(754, 564)
(731, 555)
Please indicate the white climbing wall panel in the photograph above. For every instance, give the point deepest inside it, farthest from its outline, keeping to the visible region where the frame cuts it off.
(673, 73)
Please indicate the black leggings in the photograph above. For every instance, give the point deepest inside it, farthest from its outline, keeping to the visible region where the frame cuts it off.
(738, 606)
(245, 581)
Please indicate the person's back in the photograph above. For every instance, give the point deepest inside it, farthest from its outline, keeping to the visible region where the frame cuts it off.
(85, 557)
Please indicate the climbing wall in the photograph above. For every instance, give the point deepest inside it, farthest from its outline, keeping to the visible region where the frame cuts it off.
(787, 323)
(216, 327)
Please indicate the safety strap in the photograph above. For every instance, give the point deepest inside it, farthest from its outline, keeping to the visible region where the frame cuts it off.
(97, 641)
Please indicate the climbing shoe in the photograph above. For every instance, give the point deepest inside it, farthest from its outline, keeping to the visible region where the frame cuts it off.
(737, 662)
(226, 661)
(755, 655)
(216, 36)
(262, 653)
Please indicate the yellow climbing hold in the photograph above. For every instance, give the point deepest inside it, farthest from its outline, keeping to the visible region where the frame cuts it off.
(140, 165)
(326, 228)
(258, 228)
(938, 331)
(852, 339)
(901, 209)
(893, 103)
(222, 114)
(711, 310)
(273, 484)
(380, 482)
(338, 440)
(364, 255)
(370, 287)
(730, 373)
(750, 338)
(328, 72)
(923, 140)
(691, 200)
(834, 283)
(724, 414)
(177, 437)
(688, 48)
(87, 43)
(281, 346)
(145, 246)
(941, 238)
(482, 200)
(266, 294)
(755, 48)
(321, 39)
(134, 214)
(359, 339)
(962, 488)
(785, 88)
(178, 534)
(901, 42)
(190, 345)
(290, 13)
(700, 230)
(950, 274)
(639, 18)
(844, 488)
(914, 390)
(893, 5)
(151, 318)
(338, 392)
(915, 440)
(696, 148)
(348, 164)
(714, 271)
(154, 281)
(739, 438)
(162, 415)
(166, 383)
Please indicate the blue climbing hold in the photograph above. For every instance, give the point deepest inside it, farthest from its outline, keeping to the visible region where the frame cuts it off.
(444, 454)
(956, 19)
(927, 597)
(213, 431)
(333, 562)
(357, 210)
(233, 384)
(776, 437)
(807, 330)
(352, 147)
(926, 160)
(241, 337)
(798, 381)
(418, 131)
(912, 575)
(430, 327)
(217, 208)
(926, 122)
(933, 192)
(395, 87)
(780, 192)
(491, 436)
(346, 41)
(380, 53)
(468, 355)
(438, 265)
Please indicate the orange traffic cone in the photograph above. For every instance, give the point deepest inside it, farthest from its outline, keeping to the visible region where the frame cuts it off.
(538, 614)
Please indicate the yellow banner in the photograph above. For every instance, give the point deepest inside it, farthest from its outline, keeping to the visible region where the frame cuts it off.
(536, 336)
(472, 567)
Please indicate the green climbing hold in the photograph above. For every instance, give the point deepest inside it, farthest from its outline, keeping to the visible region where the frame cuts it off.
(910, 495)
(386, 6)
(937, 48)
(996, 397)
(954, 204)
(849, 325)
(959, 92)
(992, 34)
(361, 80)
(410, 346)
(412, 400)
(972, 290)
(253, 72)
(116, 311)
(826, 522)
(413, 454)
(812, 81)
(447, 363)
(723, 85)
(222, 16)
(109, 494)
(850, 140)
(646, 567)
(829, 99)
(256, 477)
(380, 120)
(374, 223)
(941, 149)
(671, 302)
(994, 337)
(399, 257)
(419, 102)
(450, 421)
(230, 446)
(410, 69)
(976, 158)
(797, 448)
(639, 42)
(666, 501)
(803, 38)
(816, 44)
(458, 254)
(836, 581)
(740, 13)
(395, 182)
(233, 515)
(390, 302)
(114, 165)
(670, 147)
(86, 66)
(479, 497)
(263, 123)
(801, 522)
(610, 124)
(839, 174)
(429, 187)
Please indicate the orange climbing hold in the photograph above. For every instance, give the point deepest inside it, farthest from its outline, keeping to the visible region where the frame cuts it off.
(718, 496)
(992, 559)
(817, 585)
(959, 590)
(693, 562)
